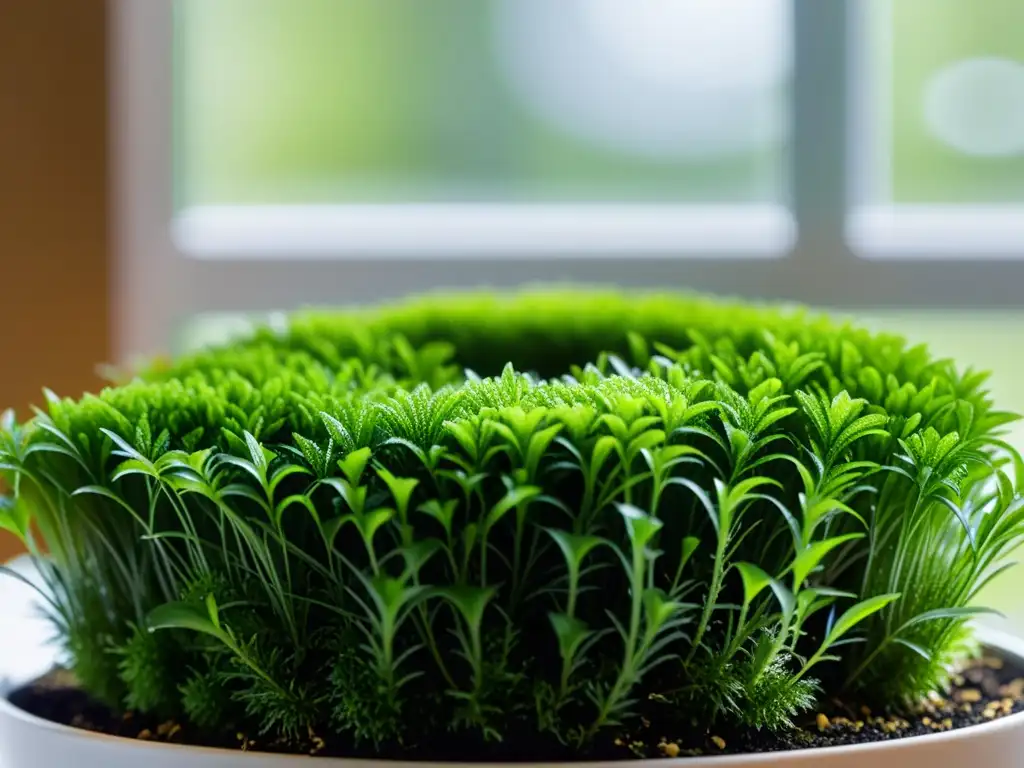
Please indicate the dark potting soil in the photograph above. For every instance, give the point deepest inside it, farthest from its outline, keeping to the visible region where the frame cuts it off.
(986, 690)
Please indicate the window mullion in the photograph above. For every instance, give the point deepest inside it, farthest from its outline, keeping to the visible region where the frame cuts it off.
(820, 120)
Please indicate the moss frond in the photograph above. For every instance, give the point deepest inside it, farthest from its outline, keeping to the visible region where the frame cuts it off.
(149, 670)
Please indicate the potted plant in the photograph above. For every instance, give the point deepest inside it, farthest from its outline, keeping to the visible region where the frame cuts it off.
(549, 526)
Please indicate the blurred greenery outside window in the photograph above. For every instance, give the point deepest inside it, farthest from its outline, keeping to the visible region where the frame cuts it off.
(327, 101)
(317, 101)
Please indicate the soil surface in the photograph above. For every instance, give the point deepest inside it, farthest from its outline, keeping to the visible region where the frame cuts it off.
(984, 691)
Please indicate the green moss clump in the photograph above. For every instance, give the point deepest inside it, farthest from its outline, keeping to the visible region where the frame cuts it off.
(546, 514)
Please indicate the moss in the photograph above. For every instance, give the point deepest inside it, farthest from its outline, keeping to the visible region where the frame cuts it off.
(501, 515)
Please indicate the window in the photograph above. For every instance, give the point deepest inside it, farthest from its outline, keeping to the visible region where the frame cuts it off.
(942, 125)
(461, 101)
(340, 127)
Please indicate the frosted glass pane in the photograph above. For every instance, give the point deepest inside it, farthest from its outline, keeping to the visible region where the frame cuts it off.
(326, 101)
(948, 100)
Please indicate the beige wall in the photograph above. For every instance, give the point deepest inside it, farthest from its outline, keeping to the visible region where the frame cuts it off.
(53, 200)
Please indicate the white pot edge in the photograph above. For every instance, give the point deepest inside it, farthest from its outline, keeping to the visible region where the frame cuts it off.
(27, 741)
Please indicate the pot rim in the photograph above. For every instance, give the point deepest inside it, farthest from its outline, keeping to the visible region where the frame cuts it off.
(1006, 644)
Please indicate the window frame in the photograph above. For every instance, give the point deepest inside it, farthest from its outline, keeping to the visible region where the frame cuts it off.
(170, 268)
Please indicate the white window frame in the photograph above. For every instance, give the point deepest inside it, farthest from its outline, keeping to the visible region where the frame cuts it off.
(266, 258)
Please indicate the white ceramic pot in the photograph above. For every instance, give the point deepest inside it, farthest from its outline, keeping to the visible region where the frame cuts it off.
(30, 742)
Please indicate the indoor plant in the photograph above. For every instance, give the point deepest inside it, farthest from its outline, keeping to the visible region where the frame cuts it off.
(539, 526)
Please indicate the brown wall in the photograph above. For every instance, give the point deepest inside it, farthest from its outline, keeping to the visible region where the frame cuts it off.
(53, 200)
